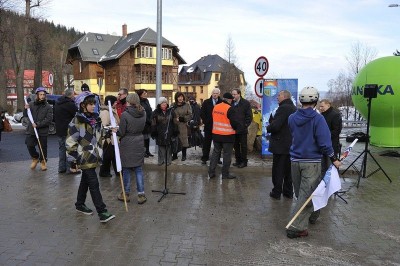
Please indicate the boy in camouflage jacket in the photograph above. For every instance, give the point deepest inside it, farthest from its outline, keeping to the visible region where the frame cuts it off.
(84, 142)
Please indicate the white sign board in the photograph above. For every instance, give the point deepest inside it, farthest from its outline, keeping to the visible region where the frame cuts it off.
(259, 87)
(261, 66)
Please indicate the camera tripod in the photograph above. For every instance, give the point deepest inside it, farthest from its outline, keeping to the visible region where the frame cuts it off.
(165, 191)
(363, 169)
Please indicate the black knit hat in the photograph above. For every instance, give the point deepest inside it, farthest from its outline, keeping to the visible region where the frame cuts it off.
(227, 95)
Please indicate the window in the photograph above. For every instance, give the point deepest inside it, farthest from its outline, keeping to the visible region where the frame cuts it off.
(80, 67)
(95, 51)
(99, 37)
(146, 51)
(186, 89)
(201, 89)
(166, 53)
(216, 77)
(194, 88)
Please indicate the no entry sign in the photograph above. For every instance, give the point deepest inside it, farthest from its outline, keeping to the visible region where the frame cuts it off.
(259, 87)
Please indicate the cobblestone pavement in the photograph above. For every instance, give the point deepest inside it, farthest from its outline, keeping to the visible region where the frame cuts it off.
(217, 222)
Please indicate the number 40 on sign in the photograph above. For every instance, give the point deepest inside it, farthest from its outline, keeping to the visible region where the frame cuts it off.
(261, 66)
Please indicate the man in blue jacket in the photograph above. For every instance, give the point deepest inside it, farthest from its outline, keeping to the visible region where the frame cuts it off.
(311, 139)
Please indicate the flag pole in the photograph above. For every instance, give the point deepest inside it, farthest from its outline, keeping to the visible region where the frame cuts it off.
(299, 211)
(123, 190)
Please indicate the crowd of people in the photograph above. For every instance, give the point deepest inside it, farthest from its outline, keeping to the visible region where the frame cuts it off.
(303, 142)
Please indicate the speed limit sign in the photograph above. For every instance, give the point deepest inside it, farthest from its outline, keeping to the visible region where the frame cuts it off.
(261, 66)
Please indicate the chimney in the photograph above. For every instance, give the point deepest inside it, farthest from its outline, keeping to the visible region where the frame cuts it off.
(124, 30)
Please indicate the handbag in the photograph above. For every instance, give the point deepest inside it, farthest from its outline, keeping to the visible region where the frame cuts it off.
(7, 126)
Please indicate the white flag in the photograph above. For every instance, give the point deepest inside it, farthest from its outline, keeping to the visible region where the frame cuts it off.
(114, 135)
(329, 185)
(31, 117)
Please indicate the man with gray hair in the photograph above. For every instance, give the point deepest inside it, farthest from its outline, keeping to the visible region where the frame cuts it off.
(279, 145)
(206, 116)
(64, 111)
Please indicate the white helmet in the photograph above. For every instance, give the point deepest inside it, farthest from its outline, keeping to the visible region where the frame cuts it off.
(309, 94)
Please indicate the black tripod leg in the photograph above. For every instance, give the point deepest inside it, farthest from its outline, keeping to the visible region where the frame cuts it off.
(165, 192)
(339, 195)
(380, 167)
(353, 164)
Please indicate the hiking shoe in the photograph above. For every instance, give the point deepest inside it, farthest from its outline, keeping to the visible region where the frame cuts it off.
(141, 198)
(313, 217)
(121, 197)
(295, 234)
(105, 217)
(83, 209)
(35, 161)
(43, 165)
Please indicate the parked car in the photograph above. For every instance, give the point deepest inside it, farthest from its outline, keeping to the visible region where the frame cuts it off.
(21, 118)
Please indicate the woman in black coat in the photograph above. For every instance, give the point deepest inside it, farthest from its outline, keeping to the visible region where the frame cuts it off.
(163, 129)
(144, 102)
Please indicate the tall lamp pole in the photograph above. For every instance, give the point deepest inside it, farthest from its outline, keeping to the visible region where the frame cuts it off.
(159, 45)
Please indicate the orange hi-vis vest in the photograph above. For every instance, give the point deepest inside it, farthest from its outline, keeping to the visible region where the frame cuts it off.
(221, 123)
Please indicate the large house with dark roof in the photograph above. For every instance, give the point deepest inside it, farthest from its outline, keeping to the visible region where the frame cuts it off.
(107, 63)
(209, 72)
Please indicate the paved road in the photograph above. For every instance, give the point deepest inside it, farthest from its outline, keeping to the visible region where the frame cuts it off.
(217, 222)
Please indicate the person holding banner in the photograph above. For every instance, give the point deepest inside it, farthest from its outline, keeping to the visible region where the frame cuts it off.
(84, 151)
(311, 140)
(132, 150)
(42, 116)
(108, 145)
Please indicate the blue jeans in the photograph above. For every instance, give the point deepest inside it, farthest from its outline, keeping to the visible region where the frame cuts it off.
(90, 182)
(63, 164)
(126, 171)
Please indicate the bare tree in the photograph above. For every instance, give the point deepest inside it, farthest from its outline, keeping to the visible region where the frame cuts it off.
(230, 55)
(360, 55)
(339, 91)
(19, 59)
(340, 88)
(397, 53)
(230, 76)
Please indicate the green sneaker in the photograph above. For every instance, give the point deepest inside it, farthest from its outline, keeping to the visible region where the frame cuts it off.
(83, 209)
(105, 217)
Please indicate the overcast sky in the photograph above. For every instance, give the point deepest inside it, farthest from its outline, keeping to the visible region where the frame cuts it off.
(304, 39)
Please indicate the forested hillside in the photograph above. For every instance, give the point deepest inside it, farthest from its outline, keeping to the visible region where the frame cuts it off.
(46, 48)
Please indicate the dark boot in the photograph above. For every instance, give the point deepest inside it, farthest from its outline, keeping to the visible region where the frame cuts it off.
(147, 146)
(184, 154)
(174, 156)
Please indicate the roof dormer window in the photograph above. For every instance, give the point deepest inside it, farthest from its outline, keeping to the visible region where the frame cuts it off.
(99, 37)
(95, 51)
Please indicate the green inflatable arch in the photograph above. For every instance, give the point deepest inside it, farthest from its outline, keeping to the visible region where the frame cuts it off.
(385, 109)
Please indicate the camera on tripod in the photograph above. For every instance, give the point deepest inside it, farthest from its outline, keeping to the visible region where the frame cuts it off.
(371, 90)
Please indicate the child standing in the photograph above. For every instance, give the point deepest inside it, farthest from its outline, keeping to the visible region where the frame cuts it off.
(84, 150)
